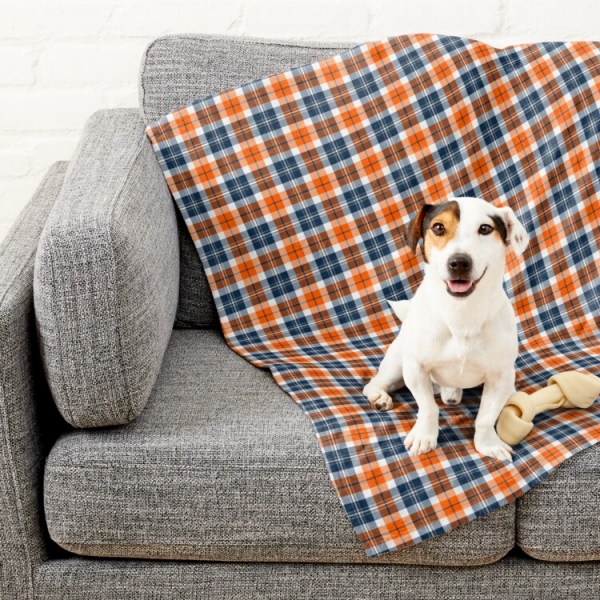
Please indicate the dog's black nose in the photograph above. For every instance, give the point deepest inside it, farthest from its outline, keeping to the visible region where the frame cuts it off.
(459, 266)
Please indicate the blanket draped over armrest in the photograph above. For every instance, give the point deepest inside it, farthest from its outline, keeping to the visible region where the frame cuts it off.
(296, 189)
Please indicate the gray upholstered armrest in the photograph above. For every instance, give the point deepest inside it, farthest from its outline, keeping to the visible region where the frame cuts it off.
(24, 398)
(106, 277)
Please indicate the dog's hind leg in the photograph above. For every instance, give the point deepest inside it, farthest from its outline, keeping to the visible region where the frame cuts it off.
(388, 378)
(451, 396)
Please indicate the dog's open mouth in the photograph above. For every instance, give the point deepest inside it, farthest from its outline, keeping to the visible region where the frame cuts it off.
(461, 288)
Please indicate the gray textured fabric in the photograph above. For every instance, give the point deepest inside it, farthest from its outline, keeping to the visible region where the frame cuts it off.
(107, 275)
(221, 465)
(510, 579)
(177, 70)
(559, 519)
(196, 308)
(24, 399)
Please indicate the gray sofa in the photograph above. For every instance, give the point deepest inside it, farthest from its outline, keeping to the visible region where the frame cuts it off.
(141, 458)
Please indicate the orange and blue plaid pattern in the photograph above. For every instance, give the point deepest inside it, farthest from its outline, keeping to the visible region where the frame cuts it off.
(296, 189)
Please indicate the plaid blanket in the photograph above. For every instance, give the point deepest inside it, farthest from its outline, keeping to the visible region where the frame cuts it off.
(296, 189)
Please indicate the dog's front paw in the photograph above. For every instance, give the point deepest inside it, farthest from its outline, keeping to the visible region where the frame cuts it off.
(489, 444)
(422, 437)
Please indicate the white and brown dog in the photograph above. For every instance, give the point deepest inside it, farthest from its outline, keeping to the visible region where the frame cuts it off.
(459, 330)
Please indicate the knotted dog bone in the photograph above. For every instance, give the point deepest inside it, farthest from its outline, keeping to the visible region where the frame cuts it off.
(571, 389)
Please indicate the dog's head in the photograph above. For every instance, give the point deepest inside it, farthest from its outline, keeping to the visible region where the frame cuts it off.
(464, 239)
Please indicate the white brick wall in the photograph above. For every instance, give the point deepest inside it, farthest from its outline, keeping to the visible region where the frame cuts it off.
(60, 60)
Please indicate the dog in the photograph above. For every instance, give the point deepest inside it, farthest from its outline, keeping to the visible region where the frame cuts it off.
(459, 330)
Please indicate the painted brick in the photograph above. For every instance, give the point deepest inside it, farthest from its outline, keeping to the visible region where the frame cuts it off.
(4, 226)
(17, 65)
(552, 20)
(105, 63)
(48, 150)
(458, 17)
(27, 19)
(154, 18)
(15, 194)
(335, 20)
(49, 110)
(124, 97)
(13, 164)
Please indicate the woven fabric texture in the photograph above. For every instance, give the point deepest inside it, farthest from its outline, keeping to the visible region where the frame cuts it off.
(559, 520)
(509, 579)
(24, 399)
(195, 308)
(107, 275)
(179, 69)
(221, 465)
(295, 188)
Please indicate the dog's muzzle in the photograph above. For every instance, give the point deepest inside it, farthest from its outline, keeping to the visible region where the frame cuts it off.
(460, 284)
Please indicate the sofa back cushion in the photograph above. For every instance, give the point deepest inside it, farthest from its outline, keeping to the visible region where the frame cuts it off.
(176, 70)
(106, 275)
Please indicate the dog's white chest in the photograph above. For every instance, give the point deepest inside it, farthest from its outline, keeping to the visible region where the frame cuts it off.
(459, 363)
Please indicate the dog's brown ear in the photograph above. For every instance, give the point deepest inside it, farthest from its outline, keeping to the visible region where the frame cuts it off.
(414, 231)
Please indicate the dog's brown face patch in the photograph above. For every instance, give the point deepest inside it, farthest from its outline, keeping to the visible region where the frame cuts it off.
(500, 228)
(440, 226)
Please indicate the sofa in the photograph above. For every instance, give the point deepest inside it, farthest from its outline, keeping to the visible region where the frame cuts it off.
(140, 457)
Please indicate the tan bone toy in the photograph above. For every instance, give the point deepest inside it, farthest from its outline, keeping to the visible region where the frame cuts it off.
(571, 389)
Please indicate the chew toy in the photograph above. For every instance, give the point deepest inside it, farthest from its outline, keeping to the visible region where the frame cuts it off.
(571, 389)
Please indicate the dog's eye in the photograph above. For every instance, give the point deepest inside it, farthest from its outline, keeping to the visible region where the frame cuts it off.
(438, 229)
(485, 229)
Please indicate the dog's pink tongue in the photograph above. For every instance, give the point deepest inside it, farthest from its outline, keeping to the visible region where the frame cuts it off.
(458, 286)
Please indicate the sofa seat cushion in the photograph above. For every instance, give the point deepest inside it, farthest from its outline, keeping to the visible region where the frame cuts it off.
(221, 465)
(559, 519)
